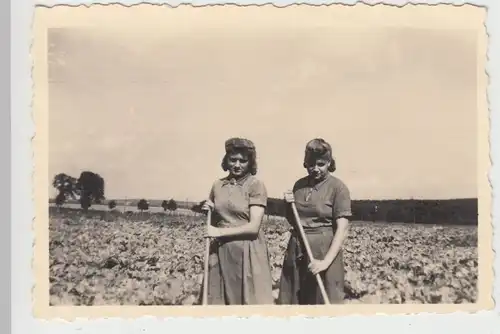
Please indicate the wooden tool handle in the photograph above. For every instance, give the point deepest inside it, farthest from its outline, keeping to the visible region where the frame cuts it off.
(207, 257)
(309, 253)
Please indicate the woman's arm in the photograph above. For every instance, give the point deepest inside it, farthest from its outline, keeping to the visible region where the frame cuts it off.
(250, 230)
(341, 212)
(338, 240)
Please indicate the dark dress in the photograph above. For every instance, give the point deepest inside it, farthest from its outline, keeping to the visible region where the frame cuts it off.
(319, 207)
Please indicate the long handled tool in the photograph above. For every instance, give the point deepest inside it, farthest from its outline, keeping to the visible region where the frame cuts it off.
(207, 256)
(309, 253)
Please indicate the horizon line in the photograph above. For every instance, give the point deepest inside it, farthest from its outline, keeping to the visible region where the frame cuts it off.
(362, 199)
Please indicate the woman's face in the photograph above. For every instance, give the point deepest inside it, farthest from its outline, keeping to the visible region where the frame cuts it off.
(318, 168)
(237, 164)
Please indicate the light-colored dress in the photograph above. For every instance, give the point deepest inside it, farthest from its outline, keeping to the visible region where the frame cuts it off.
(239, 268)
(319, 207)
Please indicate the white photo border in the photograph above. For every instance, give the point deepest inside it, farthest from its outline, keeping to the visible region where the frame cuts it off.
(19, 126)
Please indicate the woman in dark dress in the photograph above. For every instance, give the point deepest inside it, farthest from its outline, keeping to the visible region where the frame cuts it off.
(324, 206)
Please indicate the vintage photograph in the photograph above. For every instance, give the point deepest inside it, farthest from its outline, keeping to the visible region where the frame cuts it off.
(201, 156)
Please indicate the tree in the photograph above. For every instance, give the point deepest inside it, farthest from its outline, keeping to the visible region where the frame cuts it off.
(85, 203)
(60, 199)
(67, 187)
(164, 205)
(91, 188)
(143, 205)
(112, 204)
(275, 207)
(172, 205)
(197, 207)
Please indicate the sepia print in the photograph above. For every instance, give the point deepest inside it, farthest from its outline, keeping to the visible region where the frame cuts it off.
(260, 158)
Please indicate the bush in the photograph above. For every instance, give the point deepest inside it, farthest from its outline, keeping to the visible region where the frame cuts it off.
(143, 205)
(172, 205)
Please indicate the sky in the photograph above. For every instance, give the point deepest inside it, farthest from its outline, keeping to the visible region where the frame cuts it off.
(149, 110)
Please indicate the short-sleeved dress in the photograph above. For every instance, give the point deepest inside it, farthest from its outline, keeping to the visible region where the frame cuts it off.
(319, 207)
(239, 268)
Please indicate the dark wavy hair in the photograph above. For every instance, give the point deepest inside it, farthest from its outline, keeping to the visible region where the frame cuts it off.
(246, 148)
(318, 148)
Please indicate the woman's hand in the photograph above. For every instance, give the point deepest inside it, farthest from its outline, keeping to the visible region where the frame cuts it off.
(212, 232)
(289, 198)
(318, 266)
(207, 206)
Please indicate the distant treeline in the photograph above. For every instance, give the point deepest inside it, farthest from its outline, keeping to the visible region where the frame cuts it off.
(134, 202)
(88, 190)
(453, 211)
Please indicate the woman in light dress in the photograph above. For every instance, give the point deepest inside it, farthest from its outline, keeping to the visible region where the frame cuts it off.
(239, 268)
